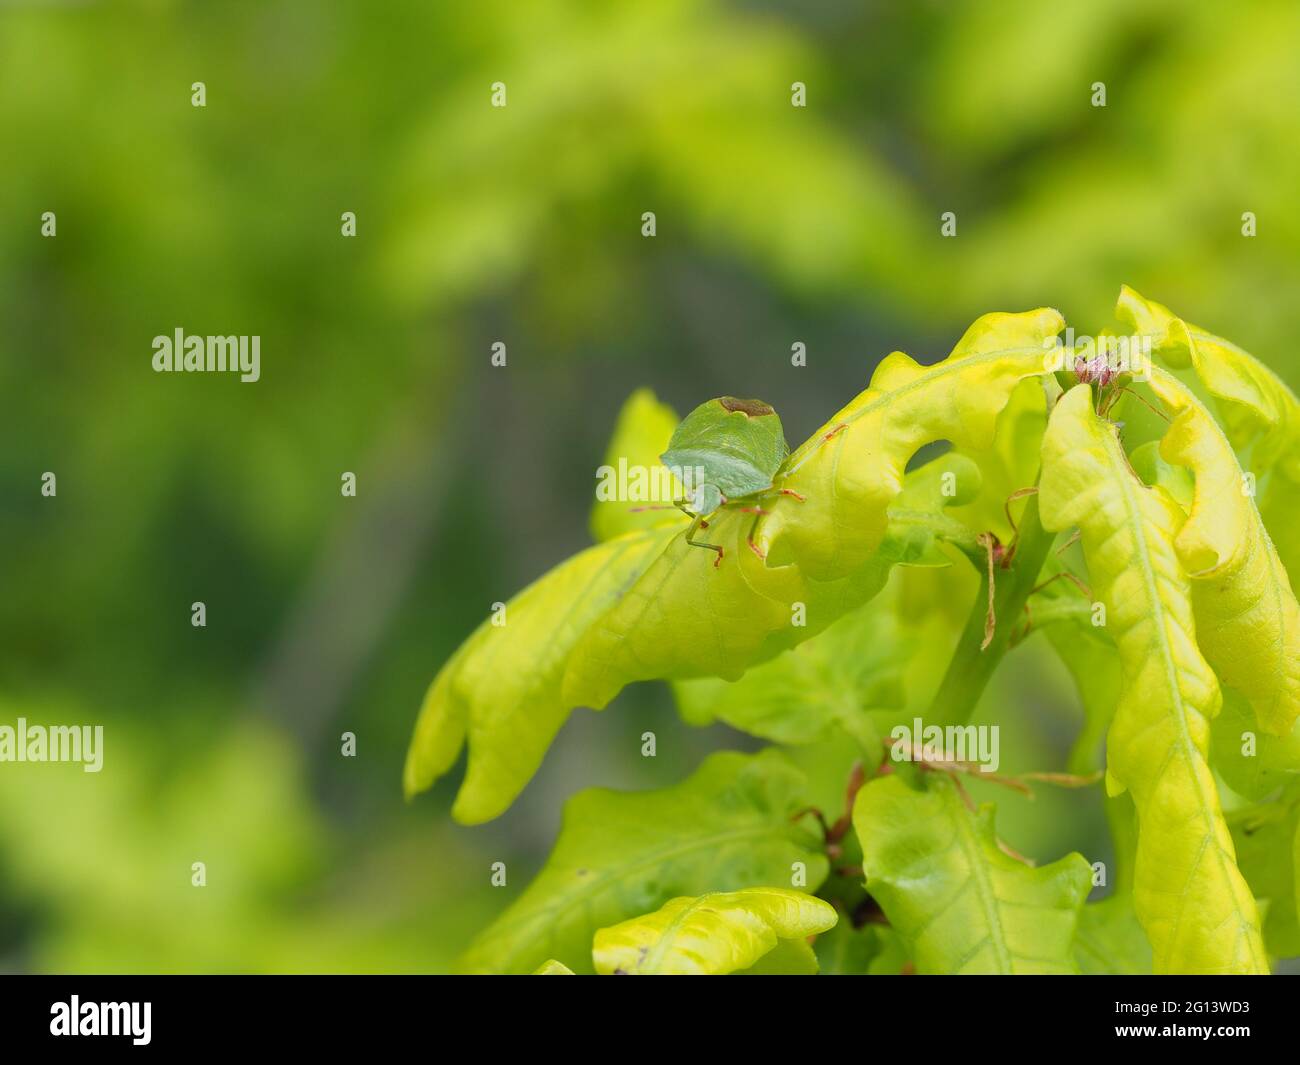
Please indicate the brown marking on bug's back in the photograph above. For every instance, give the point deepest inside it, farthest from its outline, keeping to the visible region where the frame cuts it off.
(753, 408)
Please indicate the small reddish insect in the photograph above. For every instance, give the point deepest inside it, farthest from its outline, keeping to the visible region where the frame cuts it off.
(1096, 370)
(1109, 382)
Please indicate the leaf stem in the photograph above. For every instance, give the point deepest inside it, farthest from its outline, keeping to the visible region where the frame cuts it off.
(970, 669)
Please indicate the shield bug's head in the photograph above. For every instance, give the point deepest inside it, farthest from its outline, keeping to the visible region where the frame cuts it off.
(703, 500)
(736, 444)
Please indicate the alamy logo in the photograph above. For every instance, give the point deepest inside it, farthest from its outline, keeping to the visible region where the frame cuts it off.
(634, 483)
(53, 743)
(1115, 355)
(946, 745)
(102, 1018)
(213, 354)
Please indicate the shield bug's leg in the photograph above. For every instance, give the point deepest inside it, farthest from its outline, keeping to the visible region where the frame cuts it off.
(690, 533)
(792, 492)
(787, 470)
(759, 514)
(676, 504)
(828, 437)
(712, 547)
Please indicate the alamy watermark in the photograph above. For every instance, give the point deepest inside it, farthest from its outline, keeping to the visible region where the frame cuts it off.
(53, 743)
(633, 483)
(1112, 355)
(75, 1017)
(946, 744)
(211, 354)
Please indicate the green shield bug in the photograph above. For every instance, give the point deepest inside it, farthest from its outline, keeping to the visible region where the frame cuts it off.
(729, 452)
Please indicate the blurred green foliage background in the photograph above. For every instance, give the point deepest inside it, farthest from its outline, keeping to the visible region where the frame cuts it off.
(325, 614)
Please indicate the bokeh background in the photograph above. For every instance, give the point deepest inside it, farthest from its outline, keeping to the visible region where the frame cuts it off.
(326, 614)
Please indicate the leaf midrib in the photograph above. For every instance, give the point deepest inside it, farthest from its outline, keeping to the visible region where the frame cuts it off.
(1272, 561)
(1190, 752)
(982, 877)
